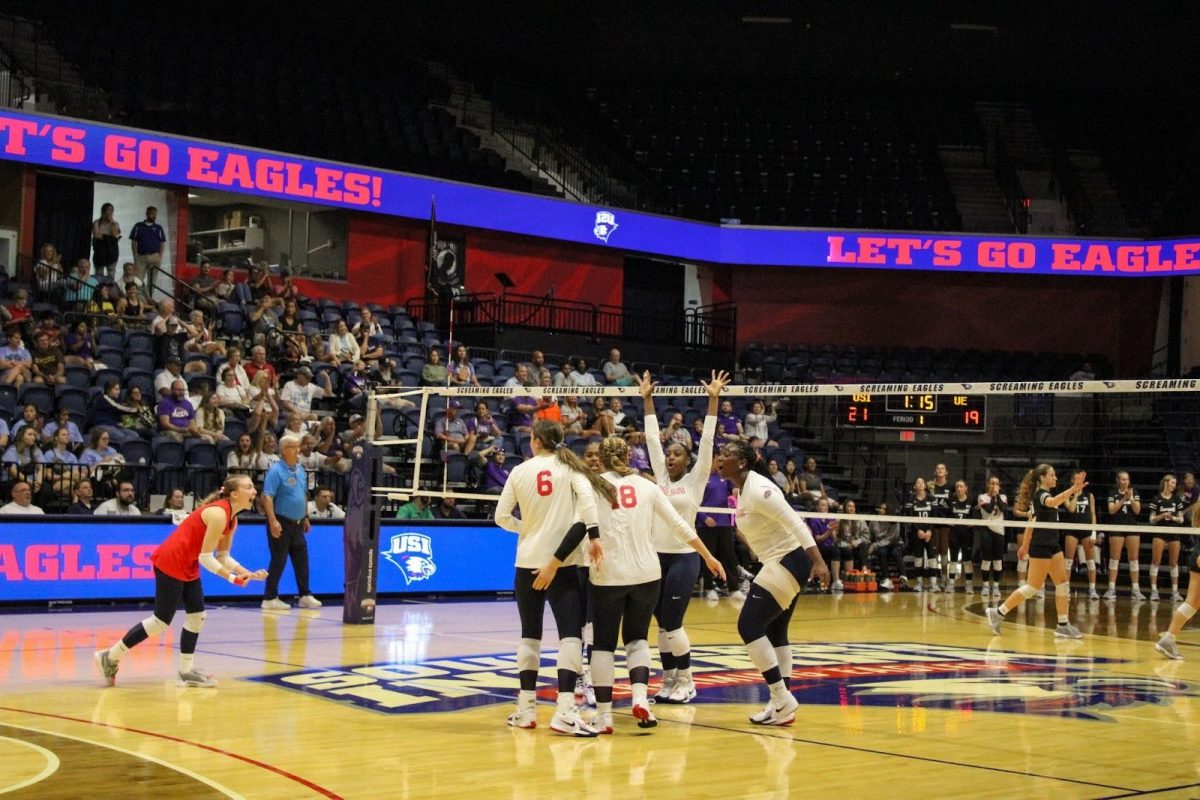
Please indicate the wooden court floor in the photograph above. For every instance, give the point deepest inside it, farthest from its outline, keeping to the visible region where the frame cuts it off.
(903, 696)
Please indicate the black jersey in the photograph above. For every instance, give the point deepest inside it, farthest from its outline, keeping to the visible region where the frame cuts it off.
(1083, 510)
(960, 509)
(941, 498)
(1040, 511)
(1173, 505)
(923, 507)
(1124, 514)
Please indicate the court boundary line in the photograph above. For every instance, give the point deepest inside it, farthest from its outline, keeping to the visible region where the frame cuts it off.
(53, 764)
(306, 783)
(1135, 793)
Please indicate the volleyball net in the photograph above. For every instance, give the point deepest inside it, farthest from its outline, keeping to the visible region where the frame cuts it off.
(870, 441)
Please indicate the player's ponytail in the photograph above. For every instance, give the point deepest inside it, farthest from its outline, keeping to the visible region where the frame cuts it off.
(614, 454)
(754, 461)
(550, 435)
(231, 485)
(1028, 486)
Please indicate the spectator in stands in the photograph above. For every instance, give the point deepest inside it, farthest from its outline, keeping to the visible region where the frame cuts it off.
(22, 501)
(795, 487)
(573, 416)
(537, 372)
(758, 423)
(615, 372)
(169, 344)
(59, 464)
(853, 538)
(172, 371)
(200, 336)
(383, 373)
(1190, 493)
(62, 419)
(16, 363)
(580, 376)
(147, 240)
(165, 314)
(417, 508)
(298, 394)
(84, 503)
(317, 349)
(776, 474)
(173, 507)
(639, 457)
(223, 291)
(233, 361)
(4, 434)
(80, 346)
(260, 284)
(232, 396)
(355, 384)
(106, 305)
(30, 416)
(322, 505)
(48, 271)
(314, 460)
(290, 323)
(462, 372)
(495, 475)
(110, 414)
(520, 413)
(729, 424)
(343, 347)
(434, 372)
(547, 404)
(887, 544)
(176, 416)
(123, 505)
(22, 461)
(17, 314)
(142, 419)
(210, 420)
(357, 432)
(135, 309)
(519, 379)
(600, 419)
(245, 458)
(99, 450)
(451, 431)
(287, 289)
(106, 232)
(369, 333)
(1084, 373)
(676, 433)
(483, 428)
(622, 422)
(562, 375)
(204, 288)
(446, 508)
(268, 448)
(80, 285)
(258, 363)
(264, 323)
(130, 274)
(49, 362)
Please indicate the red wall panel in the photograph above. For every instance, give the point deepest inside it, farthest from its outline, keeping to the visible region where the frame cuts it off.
(587, 274)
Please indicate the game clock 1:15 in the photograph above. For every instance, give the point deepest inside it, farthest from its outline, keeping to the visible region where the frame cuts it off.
(931, 412)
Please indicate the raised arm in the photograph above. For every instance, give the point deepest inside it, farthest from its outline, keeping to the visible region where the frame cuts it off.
(1068, 496)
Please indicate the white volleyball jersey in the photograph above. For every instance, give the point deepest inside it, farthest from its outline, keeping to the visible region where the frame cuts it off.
(625, 525)
(684, 494)
(771, 527)
(551, 497)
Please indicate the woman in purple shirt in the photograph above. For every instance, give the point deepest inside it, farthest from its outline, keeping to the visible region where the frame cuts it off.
(717, 532)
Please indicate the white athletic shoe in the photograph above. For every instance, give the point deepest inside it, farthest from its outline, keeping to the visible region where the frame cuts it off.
(1093, 594)
(1111, 594)
(969, 589)
(738, 596)
(782, 714)
(1136, 593)
(274, 604)
(684, 692)
(995, 588)
(524, 717)
(1066, 630)
(1041, 594)
(308, 601)
(643, 715)
(887, 584)
(1154, 595)
(570, 723)
(197, 679)
(933, 587)
(712, 595)
(994, 618)
(663, 695)
(108, 667)
(837, 586)
(1166, 645)
(985, 591)
(603, 722)
(1176, 597)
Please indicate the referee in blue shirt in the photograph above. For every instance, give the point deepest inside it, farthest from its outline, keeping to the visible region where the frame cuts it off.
(285, 500)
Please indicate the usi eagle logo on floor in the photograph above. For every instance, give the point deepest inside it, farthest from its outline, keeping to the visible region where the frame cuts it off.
(412, 553)
(845, 674)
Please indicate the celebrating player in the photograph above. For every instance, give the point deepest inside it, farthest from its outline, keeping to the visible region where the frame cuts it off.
(1084, 514)
(789, 555)
(1042, 545)
(177, 563)
(1166, 515)
(552, 488)
(1124, 505)
(678, 560)
(625, 585)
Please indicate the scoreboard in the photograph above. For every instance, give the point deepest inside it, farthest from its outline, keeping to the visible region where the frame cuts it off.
(931, 412)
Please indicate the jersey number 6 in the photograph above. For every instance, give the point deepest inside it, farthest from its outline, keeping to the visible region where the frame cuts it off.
(544, 486)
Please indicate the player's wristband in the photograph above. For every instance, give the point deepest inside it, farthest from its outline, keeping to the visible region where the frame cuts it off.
(593, 532)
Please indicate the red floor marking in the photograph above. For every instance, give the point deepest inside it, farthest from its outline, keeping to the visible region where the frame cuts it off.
(302, 781)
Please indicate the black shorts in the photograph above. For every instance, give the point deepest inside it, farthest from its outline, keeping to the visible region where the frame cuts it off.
(1164, 534)
(1044, 544)
(1193, 558)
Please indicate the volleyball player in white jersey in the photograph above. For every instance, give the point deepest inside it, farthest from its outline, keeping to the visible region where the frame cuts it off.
(789, 555)
(679, 562)
(553, 489)
(625, 584)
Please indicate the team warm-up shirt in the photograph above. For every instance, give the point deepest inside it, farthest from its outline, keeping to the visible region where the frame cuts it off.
(1173, 504)
(686, 493)
(1083, 512)
(941, 498)
(993, 508)
(1124, 515)
(771, 527)
(922, 507)
(629, 554)
(960, 509)
(551, 496)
